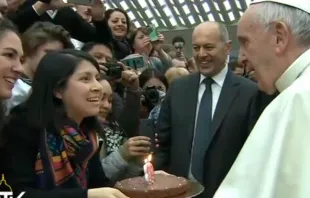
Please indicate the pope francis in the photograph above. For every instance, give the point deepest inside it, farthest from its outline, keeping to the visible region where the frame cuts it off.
(274, 162)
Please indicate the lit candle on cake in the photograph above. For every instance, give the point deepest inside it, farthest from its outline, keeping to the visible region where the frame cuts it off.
(149, 170)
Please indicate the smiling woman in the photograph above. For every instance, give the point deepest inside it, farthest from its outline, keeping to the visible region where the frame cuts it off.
(52, 142)
(10, 67)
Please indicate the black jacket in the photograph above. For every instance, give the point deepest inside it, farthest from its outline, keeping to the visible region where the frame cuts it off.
(238, 108)
(77, 27)
(20, 156)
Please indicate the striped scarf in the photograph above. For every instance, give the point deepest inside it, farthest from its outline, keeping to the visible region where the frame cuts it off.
(62, 159)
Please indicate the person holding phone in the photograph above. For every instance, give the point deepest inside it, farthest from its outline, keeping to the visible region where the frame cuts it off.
(141, 43)
(121, 156)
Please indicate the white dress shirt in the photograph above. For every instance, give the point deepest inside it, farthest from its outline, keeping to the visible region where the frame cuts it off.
(216, 91)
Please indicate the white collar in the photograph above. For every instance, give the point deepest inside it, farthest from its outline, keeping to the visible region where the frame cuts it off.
(52, 13)
(293, 71)
(218, 78)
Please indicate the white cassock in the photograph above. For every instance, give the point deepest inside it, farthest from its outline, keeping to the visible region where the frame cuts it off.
(275, 160)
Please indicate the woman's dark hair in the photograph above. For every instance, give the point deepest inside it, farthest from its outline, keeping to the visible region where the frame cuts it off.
(52, 74)
(5, 27)
(147, 74)
(109, 12)
(90, 45)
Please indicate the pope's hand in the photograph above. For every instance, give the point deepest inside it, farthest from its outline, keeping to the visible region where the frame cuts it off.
(105, 193)
(161, 172)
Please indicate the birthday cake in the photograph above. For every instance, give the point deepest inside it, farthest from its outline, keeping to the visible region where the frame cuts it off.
(164, 186)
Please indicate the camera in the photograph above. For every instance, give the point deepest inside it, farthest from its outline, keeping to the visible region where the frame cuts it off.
(135, 62)
(114, 70)
(151, 95)
(153, 33)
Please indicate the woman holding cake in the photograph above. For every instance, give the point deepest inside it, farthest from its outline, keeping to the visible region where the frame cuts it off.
(52, 146)
(120, 157)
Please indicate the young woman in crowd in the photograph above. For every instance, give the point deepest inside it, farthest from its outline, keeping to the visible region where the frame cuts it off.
(120, 157)
(11, 52)
(151, 78)
(140, 42)
(125, 112)
(119, 24)
(52, 147)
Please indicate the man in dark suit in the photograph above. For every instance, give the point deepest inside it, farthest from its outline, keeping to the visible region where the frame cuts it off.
(206, 116)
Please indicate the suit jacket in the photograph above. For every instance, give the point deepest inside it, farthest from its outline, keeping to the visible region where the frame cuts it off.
(237, 110)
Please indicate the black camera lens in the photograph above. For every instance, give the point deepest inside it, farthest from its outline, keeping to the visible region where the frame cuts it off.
(151, 95)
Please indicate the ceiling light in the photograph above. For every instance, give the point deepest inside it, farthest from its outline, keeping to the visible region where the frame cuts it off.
(221, 16)
(124, 5)
(172, 21)
(231, 16)
(211, 18)
(131, 15)
(161, 2)
(142, 3)
(206, 7)
(182, 21)
(167, 11)
(238, 4)
(148, 13)
(227, 5)
(176, 10)
(191, 20)
(163, 21)
(154, 22)
(196, 9)
(201, 19)
(216, 6)
(186, 10)
(137, 24)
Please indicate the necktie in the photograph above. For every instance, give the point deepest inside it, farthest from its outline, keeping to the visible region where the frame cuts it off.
(202, 135)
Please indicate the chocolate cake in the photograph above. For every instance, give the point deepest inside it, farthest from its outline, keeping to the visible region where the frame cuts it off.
(165, 186)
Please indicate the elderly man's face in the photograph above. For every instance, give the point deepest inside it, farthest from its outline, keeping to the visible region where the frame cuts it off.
(257, 49)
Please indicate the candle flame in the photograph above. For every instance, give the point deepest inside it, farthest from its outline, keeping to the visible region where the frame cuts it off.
(148, 158)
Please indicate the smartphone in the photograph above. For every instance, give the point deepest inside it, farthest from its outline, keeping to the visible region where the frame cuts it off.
(147, 128)
(82, 2)
(153, 33)
(114, 70)
(134, 62)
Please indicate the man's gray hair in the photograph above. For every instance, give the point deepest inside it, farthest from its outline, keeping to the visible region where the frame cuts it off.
(297, 20)
(223, 32)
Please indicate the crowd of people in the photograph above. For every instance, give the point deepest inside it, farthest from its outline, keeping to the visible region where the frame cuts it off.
(76, 118)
